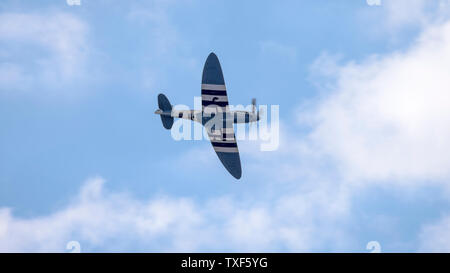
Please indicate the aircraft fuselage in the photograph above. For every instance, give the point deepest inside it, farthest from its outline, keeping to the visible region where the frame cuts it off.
(204, 116)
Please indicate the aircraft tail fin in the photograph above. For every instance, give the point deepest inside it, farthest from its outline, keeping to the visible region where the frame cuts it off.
(165, 106)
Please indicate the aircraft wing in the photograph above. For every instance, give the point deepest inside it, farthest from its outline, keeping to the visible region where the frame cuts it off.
(214, 94)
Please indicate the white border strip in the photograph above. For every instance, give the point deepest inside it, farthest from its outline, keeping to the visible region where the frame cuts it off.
(216, 87)
(226, 149)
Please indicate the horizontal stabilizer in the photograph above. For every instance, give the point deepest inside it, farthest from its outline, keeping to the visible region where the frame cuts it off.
(163, 103)
(167, 122)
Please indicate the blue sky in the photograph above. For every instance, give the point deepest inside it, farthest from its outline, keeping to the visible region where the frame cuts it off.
(364, 111)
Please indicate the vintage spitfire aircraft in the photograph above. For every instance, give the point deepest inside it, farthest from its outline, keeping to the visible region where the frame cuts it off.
(214, 106)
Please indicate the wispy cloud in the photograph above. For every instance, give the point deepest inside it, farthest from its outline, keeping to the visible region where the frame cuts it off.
(98, 218)
(49, 49)
(165, 44)
(388, 117)
(154, 15)
(278, 49)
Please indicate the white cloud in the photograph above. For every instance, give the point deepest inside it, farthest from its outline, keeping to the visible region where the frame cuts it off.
(405, 12)
(401, 13)
(388, 117)
(96, 217)
(100, 219)
(49, 49)
(396, 20)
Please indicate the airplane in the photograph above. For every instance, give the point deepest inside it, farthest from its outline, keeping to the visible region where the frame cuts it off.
(214, 106)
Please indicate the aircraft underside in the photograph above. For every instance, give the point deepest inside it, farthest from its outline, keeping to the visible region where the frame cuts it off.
(215, 116)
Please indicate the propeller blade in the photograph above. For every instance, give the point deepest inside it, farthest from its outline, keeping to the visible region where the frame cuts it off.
(253, 105)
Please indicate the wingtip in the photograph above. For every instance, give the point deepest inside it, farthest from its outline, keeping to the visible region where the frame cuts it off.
(212, 56)
(237, 175)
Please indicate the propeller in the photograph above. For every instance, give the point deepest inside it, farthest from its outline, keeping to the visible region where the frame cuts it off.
(260, 111)
(253, 105)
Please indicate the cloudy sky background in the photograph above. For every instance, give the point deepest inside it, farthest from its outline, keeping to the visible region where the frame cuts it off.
(364, 155)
